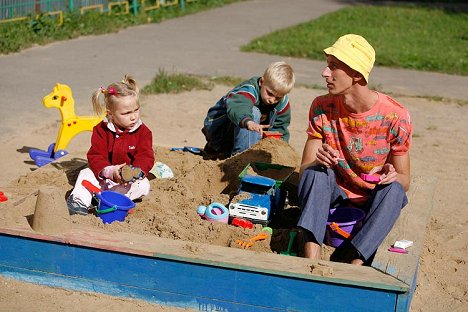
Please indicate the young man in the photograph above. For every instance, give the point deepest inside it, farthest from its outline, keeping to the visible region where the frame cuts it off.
(352, 131)
(238, 119)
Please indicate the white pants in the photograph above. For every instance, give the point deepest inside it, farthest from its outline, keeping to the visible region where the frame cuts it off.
(134, 190)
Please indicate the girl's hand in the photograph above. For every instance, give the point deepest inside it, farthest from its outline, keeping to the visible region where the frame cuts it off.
(387, 173)
(327, 156)
(116, 174)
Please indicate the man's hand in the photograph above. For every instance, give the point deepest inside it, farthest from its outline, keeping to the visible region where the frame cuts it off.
(327, 156)
(387, 172)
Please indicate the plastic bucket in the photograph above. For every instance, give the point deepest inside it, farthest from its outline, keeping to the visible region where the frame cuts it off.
(113, 206)
(348, 219)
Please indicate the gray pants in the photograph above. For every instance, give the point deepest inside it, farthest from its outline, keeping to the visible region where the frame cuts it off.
(318, 192)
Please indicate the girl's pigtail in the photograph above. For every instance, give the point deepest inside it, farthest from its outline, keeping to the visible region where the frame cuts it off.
(97, 107)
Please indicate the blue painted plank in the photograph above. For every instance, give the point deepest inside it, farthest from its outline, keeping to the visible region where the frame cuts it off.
(404, 300)
(178, 283)
(153, 296)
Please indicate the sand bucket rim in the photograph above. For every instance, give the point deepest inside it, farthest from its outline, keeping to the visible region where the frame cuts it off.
(113, 207)
(341, 224)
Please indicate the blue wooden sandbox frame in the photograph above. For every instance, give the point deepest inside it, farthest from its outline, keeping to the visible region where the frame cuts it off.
(214, 278)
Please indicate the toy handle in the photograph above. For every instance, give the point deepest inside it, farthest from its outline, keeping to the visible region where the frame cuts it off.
(336, 228)
(258, 237)
(111, 209)
(292, 236)
(90, 186)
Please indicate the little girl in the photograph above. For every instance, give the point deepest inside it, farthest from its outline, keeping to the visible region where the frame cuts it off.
(121, 152)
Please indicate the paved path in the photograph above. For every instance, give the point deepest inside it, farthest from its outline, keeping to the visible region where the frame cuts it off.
(206, 43)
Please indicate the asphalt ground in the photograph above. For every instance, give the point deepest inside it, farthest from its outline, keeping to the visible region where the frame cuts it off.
(205, 43)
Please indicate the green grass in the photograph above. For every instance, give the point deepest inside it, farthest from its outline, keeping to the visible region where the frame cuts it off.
(227, 80)
(174, 83)
(16, 36)
(404, 37)
(165, 82)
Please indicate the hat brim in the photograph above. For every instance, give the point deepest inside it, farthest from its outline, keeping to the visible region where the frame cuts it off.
(347, 59)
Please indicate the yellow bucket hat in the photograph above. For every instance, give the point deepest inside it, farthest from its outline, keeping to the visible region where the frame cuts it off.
(354, 51)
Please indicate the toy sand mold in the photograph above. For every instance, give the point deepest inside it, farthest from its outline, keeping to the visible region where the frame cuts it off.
(214, 278)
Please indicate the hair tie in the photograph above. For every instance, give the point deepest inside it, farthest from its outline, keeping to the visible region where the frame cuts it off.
(110, 91)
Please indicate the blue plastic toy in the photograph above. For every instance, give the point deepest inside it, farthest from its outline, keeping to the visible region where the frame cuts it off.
(42, 158)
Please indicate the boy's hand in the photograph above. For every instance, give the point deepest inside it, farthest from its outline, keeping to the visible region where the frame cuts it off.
(253, 126)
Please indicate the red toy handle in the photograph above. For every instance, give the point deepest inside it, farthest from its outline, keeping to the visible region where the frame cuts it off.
(90, 186)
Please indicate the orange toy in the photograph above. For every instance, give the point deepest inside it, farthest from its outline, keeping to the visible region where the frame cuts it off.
(249, 243)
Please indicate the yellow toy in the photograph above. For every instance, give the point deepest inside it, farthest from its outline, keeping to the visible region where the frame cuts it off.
(61, 97)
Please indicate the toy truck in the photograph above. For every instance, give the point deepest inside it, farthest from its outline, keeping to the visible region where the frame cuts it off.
(260, 194)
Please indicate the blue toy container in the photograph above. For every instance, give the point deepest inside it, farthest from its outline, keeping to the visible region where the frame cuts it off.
(113, 206)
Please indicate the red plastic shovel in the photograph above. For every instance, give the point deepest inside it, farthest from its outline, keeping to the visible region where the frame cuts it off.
(90, 186)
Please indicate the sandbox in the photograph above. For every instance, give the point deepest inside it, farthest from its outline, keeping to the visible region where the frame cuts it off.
(166, 254)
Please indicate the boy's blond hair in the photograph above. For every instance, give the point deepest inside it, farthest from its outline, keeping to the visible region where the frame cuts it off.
(280, 76)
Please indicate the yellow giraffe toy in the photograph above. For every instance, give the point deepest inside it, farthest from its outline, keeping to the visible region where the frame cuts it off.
(61, 97)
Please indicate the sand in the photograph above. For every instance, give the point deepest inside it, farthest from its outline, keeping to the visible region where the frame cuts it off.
(439, 149)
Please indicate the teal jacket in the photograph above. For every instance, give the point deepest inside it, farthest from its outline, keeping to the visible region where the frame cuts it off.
(236, 107)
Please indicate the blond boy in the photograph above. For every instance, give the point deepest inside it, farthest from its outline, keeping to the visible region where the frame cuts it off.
(238, 119)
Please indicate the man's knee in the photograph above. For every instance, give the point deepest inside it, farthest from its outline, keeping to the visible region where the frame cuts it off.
(394, 192)
(317, 172)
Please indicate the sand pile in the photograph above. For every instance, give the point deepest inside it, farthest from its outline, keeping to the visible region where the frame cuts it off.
(170, 210)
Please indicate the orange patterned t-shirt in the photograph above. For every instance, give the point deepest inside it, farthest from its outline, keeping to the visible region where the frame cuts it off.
(363, 140)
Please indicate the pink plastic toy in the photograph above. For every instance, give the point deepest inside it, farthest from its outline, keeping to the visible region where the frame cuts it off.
(397, 250)
(370, 178)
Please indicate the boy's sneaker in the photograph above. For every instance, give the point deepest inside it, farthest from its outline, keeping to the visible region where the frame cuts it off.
(76, 207)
